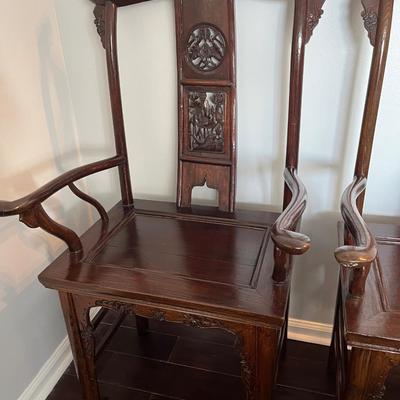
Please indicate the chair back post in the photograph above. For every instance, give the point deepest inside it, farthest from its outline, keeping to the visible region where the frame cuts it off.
(296, 90)
(360, 250)
(307, 14)
(377, 17)
(106, 22)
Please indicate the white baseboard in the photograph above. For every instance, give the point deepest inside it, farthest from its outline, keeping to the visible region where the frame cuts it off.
(49, 374)
(310, 332)
(55, 366)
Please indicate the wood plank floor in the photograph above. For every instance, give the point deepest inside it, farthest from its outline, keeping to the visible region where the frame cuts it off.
(176, 362)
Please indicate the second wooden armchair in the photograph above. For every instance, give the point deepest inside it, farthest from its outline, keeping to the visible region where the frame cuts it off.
(201, 266)
(366, 339)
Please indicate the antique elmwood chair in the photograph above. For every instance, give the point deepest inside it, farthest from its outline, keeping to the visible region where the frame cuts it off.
(366, 340)
(201, 266)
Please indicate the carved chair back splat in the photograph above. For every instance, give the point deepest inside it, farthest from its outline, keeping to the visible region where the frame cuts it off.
(202, 266)
(367, 316)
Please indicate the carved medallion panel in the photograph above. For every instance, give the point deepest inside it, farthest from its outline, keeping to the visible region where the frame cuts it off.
(206, 47)
(206, 39)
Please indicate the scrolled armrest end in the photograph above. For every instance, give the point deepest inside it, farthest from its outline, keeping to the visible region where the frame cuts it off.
(354, 257)
(292, 242)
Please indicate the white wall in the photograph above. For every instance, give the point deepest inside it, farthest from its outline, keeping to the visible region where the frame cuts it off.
(54, 114)
(38, 141)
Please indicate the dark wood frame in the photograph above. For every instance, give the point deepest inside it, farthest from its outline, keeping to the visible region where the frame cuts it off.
(261, 335)
(363, 370)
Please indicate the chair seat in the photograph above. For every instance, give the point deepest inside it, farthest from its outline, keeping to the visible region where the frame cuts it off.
(198, 259)
(374, 319)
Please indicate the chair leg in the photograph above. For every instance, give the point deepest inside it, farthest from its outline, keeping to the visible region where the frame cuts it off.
(267, 362)
(259, 349)
(80, 332)
(286, 331)
(332, 348)
(336, 330)
(142, 325)
(259, 361)
(368, 371)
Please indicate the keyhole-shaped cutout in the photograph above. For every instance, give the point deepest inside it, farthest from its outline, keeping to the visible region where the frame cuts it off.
(205, 195)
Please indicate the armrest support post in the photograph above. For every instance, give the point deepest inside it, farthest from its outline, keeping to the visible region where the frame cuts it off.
(362, 254)
(38, 218)
(286, 240)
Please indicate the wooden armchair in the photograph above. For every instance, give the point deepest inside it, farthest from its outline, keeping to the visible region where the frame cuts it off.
(367, 319)
(202, 266)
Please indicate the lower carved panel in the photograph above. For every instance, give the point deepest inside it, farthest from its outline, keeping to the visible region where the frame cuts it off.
(196, 321)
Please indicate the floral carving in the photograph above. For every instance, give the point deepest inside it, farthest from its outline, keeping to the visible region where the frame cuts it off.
(88, 341)
(158, 315)
(202, 322)
(85, 327)
(379, 395)
(370, 17)
(116, 306)
(314, 13)
(99, 21)
(205, 48)
(206, 121)
(390, 362)
(247, 377)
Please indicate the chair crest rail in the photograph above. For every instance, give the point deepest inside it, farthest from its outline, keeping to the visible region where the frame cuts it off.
(360, 255)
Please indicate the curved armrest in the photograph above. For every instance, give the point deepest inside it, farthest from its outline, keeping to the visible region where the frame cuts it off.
(26, 203)
(32, 214)
(282, 231)
(364, 251)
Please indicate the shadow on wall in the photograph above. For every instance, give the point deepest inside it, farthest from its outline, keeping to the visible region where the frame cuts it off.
(263, 89)
(18, 269)
(349, 92)
(56, 102)
(70, 140)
